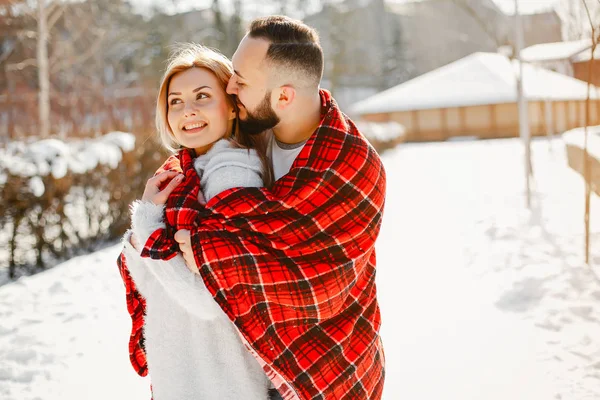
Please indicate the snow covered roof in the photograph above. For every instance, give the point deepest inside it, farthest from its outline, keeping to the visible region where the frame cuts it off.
(381, 131)
(478, 79)
(586, 55)
(554, 51)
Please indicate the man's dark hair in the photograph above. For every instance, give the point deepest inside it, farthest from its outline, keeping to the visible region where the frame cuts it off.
(294, 45)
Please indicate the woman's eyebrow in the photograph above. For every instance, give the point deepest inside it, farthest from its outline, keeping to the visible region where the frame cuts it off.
(193, 91)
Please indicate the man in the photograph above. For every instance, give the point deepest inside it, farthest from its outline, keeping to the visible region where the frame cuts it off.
(293, 266)
(299, 286)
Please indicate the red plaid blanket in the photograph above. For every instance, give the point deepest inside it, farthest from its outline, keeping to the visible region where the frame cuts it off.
(294, 267)
(182, 210)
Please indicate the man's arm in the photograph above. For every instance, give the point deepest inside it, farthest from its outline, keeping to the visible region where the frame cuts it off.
(299, 250)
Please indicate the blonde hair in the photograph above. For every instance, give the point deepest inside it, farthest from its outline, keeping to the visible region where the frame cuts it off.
(192, 55)
(184, 57)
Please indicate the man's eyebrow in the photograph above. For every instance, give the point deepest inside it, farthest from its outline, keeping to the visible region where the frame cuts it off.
(193, 91)
(238, 74)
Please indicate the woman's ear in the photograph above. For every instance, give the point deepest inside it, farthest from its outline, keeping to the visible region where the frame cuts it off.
(232, 113)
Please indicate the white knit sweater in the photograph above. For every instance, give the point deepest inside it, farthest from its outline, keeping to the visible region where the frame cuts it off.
(194, 351)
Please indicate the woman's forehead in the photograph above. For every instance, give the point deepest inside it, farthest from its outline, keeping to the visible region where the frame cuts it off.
(193, 78)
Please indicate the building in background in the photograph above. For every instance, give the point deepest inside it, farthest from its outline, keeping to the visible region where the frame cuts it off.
(477, 96)
(542, 27)
(572, 58)
(581, 66)
(372, 45)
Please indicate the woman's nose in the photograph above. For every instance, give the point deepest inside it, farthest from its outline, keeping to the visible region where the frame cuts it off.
(189, 111)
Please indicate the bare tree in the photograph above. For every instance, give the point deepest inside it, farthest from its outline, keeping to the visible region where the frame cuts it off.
(485, 20)
(575, 18)
(594, 26)
(65, 36)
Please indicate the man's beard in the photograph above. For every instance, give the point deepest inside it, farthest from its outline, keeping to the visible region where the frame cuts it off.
(264, 118)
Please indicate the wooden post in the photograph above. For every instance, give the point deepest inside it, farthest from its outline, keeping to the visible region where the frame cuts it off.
(444, 112)
(494, 120)
(547, 107)
(463, 119)
(417, 128)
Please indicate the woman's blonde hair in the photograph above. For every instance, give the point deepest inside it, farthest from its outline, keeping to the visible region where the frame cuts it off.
(192, 55)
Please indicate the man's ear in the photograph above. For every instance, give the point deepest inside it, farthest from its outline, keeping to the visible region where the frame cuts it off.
(286, 96)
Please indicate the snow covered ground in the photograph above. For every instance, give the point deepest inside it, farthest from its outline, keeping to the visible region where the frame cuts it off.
(481, 299)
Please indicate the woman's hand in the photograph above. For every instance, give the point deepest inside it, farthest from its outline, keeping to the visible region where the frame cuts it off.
(134, 242)
(183, 238)
(152, 191)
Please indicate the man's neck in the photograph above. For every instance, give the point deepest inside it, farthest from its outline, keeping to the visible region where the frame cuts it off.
(306, 118)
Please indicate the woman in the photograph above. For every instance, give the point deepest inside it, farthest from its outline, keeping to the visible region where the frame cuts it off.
(193, 350)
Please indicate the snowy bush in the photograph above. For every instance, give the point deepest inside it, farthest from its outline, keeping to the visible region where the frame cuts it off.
(59, 197)
(382, 135)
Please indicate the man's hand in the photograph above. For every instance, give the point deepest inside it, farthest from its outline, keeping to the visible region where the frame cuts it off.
(183, 238)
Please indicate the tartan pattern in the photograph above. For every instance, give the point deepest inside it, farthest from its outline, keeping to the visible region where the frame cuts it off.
(136, 306)
(294, 267)
(182, 210)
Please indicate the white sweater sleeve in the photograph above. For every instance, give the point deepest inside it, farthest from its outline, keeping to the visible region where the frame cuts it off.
(155, 278)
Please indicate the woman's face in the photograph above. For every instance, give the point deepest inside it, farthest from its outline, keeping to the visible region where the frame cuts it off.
(198, 111)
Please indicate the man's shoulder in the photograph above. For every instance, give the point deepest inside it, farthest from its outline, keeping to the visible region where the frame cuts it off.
(356, 139)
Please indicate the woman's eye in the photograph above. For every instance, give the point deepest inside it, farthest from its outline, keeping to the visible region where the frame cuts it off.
(175, 101)
(202, 96)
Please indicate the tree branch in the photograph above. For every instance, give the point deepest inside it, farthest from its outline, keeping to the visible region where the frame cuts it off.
(81, 58)
(31, 62)
(485, 26)
(54, 16)
(59, 53)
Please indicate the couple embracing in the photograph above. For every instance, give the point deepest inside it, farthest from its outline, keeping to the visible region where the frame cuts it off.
(249, 267)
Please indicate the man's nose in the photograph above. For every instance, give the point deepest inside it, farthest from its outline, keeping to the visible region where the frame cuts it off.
(231, 87)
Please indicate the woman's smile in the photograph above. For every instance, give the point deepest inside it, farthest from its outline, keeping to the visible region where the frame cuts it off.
(194, 127)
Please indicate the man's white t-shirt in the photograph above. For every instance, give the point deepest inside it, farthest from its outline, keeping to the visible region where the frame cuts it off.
(283, 156)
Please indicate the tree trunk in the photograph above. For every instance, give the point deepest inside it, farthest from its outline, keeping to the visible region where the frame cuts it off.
(523, 108)
(43, 71)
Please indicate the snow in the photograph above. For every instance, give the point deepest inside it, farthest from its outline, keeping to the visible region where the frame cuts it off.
(381, 131)
(478, 79)
(554, 51)
(480, 298)
(64, 334)
(37, 186)
(52, 156)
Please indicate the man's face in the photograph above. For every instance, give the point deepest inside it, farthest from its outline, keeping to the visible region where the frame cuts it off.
(249, 84)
